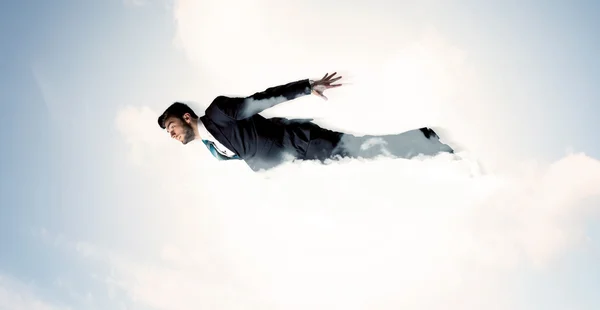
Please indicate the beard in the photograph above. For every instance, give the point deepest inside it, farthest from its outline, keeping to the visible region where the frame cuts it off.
(188, 133)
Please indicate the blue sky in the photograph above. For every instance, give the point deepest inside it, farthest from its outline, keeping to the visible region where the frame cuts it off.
(69, 70)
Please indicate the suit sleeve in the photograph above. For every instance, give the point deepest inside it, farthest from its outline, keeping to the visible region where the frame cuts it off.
(244, 107)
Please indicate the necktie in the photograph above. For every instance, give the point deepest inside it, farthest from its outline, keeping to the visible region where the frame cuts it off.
(213, 150)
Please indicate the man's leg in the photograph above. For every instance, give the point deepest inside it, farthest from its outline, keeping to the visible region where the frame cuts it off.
(404, 145)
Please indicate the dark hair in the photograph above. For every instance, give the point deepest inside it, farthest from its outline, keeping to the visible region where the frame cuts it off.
(177, 109)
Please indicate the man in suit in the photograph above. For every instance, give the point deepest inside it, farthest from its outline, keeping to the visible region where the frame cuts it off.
(233, 129)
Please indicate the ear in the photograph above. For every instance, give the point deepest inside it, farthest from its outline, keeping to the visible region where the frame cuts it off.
(187, 118)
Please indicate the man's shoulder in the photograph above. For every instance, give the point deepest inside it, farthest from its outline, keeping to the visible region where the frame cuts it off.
(214, 111)
(223, 105)
(225, 99)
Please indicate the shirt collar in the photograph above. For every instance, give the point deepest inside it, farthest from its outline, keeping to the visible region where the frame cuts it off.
(204, 134)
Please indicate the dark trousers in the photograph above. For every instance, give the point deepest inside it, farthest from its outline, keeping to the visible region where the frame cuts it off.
(328, 144)
(423, 141)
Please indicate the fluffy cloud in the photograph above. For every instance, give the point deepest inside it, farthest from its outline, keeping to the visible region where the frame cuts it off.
(419, 234)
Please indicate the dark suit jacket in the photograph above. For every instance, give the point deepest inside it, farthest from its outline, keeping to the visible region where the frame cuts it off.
(264, 143)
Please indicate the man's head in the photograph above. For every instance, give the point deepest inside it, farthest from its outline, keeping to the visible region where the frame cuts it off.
(180, 121)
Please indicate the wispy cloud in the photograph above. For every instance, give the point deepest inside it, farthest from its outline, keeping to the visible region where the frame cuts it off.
(16, 295)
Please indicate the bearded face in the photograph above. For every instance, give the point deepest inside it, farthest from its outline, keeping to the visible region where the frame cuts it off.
(179, 130)
(188, 133)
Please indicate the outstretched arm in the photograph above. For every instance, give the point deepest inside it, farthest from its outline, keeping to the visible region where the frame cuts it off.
(241, 108)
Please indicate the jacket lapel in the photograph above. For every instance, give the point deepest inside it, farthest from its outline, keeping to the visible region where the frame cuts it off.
(214, 130)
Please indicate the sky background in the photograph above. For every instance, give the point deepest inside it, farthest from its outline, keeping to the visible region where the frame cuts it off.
(100, 210)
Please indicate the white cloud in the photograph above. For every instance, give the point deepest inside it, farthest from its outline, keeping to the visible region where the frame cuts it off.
(419, 234)
(142, 124)
(388, 234)
(15, 295)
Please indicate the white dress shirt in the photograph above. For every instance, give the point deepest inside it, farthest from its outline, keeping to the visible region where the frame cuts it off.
(205, 135)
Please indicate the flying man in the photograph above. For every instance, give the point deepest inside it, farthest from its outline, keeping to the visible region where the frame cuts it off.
(233, 129)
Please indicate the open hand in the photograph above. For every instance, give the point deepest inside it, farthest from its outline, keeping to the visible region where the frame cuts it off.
(318, 87)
